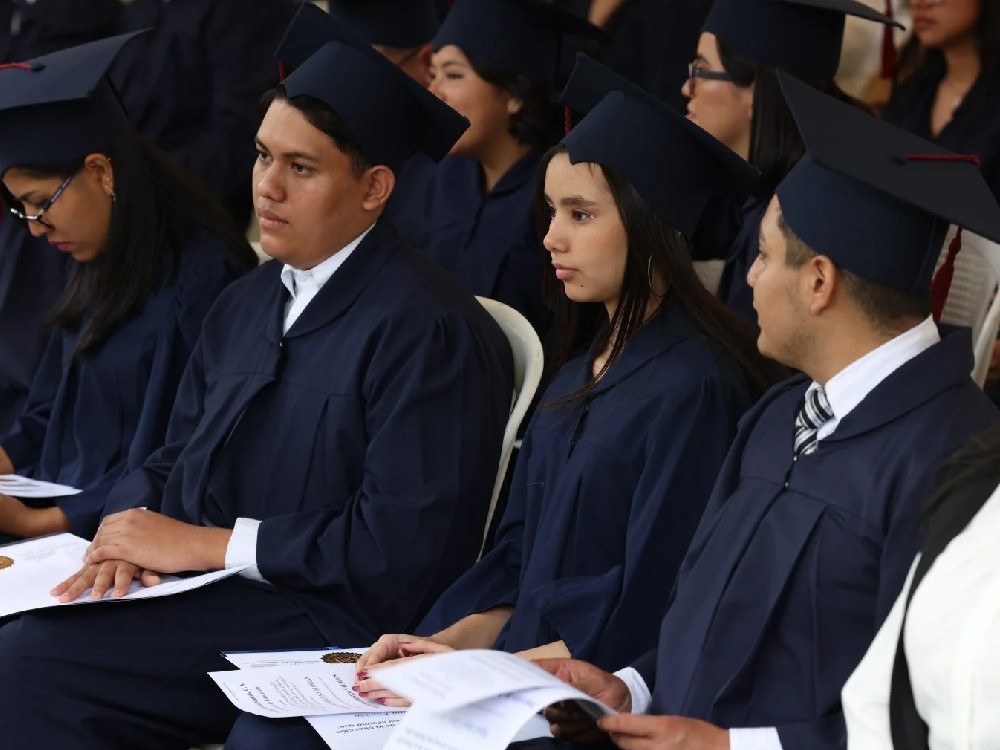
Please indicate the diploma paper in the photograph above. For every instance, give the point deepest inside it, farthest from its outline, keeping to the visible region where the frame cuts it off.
(18, 486)
(40, 564)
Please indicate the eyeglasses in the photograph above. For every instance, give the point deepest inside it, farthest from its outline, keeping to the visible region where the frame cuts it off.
(695, 71)
(45, 207)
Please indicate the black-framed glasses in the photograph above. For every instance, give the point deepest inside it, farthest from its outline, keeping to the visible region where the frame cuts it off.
(45, 206)
(695, 71)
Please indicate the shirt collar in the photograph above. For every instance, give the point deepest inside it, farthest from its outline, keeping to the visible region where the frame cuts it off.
(851, 386)
(295, 278)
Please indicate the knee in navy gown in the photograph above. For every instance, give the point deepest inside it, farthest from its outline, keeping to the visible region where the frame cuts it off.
(256, 733)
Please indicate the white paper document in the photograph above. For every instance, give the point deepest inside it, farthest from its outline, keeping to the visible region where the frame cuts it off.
(478, 699)
(18, 486)
(30, 569)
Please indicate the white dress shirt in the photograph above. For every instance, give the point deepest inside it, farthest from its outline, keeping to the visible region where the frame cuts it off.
(951, 642)
(303, 286)
(845, 391)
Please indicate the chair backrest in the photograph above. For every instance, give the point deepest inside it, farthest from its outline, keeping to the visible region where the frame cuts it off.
(528, 364)
(973, 300)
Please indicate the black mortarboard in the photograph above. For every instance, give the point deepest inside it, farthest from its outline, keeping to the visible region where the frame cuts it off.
(803, 37)
(520, 36)
(674, 165)
(61, 106)
(389, 114)
(390, 23)
(876, 199)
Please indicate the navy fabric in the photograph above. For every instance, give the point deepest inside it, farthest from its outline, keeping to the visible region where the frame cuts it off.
(366, 440)
(974, 127)
(257, 733)
(192, 85)
(324, 435)
(486, 240)
(391, 23)
(652, 42)
(32, 275)
(734, 290)
(606, 496)
(135, 675)
(90, 420)
(795, 565)
(46, 26)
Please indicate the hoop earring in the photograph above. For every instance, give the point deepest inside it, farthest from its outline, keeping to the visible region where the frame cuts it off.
(649, 272)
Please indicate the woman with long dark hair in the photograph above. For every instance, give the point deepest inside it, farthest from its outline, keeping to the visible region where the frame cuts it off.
(931, 684)
(495, 62)
(948, 78)
(151, 250)
(650, 377)
(733, 93)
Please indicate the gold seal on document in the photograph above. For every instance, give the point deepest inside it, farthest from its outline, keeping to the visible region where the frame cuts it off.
(5, 562)
(342, 657)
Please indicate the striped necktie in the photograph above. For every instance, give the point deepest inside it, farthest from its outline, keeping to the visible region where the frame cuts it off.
(815, 413)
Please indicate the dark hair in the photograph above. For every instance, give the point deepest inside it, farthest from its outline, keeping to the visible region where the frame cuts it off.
(919, 66)
(539, 122)
(652, 245)
(978, 459)
(155, 209)
(882, 305)
(321, 117)
(775, 143)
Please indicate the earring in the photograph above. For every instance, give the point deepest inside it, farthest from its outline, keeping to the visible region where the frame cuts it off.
(110, 191)
(649, 272)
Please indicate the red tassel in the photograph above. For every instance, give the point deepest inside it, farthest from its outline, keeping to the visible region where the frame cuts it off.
(281, 71)
(888, 47)
(941, 284)
(567, 120)
(19, 66)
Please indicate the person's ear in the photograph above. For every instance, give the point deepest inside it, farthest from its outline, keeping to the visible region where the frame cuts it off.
(379, 183)
(98, 167)
(822, 281)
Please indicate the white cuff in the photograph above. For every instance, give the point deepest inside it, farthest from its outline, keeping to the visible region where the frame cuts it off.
(758, 738)
(242, 548)
(637, 688)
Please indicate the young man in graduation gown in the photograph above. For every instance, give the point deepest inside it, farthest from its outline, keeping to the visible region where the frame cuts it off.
(812, 526)
(338, 430)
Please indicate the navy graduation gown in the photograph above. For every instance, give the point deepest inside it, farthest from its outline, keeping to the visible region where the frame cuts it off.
(45, 26)
(366, 439)
(88, 421)
(192, 84)
(488, 240)
(733, 288)
(795, 565)
(32, 275)
(606, 496)
(974, 127)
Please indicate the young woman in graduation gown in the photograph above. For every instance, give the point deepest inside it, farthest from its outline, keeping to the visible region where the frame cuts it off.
(948, 80)
(733, 93)
(936, 687)
(150, 252)
(495, 62)
(631, 433)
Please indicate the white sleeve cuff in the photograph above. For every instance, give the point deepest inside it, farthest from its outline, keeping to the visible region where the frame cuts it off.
(242, 548)
(637, 688)
(757, 738)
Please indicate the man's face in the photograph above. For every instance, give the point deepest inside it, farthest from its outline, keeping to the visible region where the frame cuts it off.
(307, 198)
(781, 312)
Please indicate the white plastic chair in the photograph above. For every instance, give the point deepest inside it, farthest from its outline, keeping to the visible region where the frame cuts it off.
(710, 273)
(973, 300)
(528, 364)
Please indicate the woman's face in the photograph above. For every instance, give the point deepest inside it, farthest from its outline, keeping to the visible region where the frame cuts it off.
(720, 107)
(487, 107)
(941, 24)
(586, 238)
(78, 221)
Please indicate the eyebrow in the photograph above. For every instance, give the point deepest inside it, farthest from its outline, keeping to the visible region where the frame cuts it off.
(577, 200)
(298, 155)
(452, 64)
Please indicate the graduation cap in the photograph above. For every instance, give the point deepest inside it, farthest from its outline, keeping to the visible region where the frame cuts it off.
(803, 37)
(876, 199)
(389, 114)
(61, 106)
(674, 165)
(520, 36)
(390, 23)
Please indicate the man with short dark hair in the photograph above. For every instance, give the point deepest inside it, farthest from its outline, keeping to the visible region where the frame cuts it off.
(335, 438)
(812, 526)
